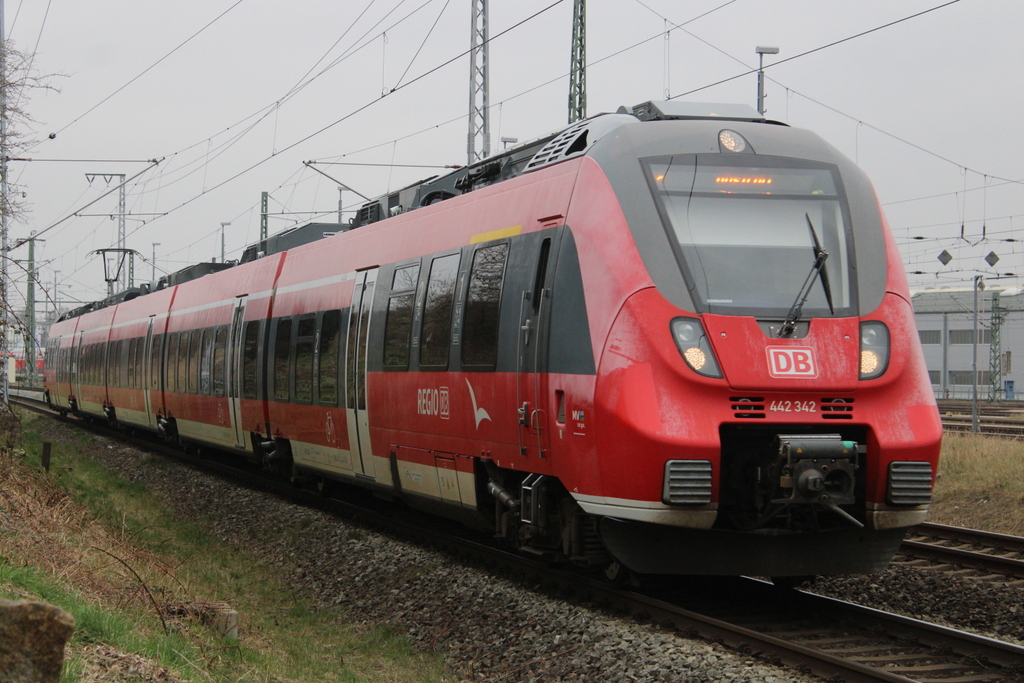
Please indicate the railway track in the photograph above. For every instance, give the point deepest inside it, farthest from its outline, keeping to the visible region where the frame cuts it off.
(978, 554)
(835, 640)
(1003, 419)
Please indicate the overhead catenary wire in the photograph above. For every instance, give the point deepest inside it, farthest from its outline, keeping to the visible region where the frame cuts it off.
(351, 114)
(148, 69)
(382, 144)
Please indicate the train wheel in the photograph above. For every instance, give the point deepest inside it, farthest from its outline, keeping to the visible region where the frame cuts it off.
(616, 573)
(324, 486)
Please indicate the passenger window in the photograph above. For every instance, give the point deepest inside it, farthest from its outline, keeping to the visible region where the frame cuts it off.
(398, 327)
(182, 374)
(305, 337)
(281, 347)
(219, 347)
(139, 351)
(205, 359)
(330, 337)
(194, 347)
(483, 302)
(131, 363)
(251, 343)
(154, 362)
(364, 321)
(172, 360)
(437, 313)
(101, 366)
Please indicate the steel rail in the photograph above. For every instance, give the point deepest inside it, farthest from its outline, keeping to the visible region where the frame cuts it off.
(990, 552)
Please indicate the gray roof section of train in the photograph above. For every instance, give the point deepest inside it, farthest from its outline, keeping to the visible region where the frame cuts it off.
(620, 149)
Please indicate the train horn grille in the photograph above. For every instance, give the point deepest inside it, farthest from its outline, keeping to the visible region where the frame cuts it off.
(910, 483)
(747, 407)
(837, 408)
(687, 482)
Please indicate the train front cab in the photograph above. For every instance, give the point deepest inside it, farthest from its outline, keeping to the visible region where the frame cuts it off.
(768, 418)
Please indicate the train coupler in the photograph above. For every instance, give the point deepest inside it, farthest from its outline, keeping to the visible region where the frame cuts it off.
(815, 469)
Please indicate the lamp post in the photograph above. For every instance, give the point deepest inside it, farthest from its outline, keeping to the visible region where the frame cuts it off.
(222, 253)
(979, 284)
(761, 52)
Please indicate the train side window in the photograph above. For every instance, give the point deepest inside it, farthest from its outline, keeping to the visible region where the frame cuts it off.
(219, 368)
(122, 363)
(120, 371)
(155, 355)
(282, 341)
(130, 377)
(398, 327)
(101, 364)
(251, 345)
(170, 373)
(140, 350)
(542, 271)
(483, 302)
(181, 383)
(437, 313)
(112, 363)
(305, 336)
(194, 347)
(327, 354)
(205, 359)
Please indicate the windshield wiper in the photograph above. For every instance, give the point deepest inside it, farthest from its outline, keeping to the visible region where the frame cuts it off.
(818, 269)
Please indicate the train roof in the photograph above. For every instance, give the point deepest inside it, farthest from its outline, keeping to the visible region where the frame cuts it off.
(568, 143)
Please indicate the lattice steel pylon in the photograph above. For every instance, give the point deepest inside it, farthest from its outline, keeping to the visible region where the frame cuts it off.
(995, 349)
(479, 142)
(578, 65)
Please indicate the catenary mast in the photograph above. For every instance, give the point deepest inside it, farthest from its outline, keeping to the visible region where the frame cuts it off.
(479, 146)
(578, 65)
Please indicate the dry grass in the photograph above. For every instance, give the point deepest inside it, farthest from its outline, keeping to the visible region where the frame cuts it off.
(54, 547)
(981, 483)
(137, 580)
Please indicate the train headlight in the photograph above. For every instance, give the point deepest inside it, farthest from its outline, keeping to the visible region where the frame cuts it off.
(731, 141)
(694, 347)
(874, 349)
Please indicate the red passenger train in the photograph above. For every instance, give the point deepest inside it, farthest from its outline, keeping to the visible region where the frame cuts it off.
(677, 340)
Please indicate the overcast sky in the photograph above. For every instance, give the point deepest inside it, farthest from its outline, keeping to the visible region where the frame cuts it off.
(243, 91)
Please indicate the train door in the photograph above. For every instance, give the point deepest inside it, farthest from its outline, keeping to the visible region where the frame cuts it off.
(355, 373)
(150, 375)
(531, 383)
(235, 372)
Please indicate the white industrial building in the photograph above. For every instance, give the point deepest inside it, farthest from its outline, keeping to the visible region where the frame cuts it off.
(945, 322)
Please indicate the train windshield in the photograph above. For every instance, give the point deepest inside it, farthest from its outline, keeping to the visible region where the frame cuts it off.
(745, 230)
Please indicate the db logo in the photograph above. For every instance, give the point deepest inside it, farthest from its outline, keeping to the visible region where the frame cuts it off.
(791, 361)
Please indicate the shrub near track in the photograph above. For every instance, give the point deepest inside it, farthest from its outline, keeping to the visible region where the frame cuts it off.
(980, 483)
(137, 580)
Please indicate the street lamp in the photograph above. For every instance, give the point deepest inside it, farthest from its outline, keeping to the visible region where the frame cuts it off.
(761, 52)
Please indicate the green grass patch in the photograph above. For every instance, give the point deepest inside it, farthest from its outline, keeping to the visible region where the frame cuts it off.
(120, 550)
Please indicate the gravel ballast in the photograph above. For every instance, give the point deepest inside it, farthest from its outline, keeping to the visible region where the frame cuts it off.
(492, 628)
